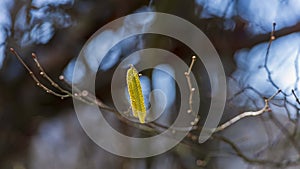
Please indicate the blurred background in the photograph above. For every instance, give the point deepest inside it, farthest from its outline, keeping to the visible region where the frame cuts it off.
(39, 130)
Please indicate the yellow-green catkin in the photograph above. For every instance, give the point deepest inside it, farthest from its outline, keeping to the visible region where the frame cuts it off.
(136, 95)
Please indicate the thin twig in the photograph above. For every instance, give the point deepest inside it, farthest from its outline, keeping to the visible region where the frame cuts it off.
(239, 153)
(188, 78)
(272, 38)
(45, 75)
(38, 83)
(285, 131)
(296, 97)
(296, 121)
(192, 90)
(247, 114)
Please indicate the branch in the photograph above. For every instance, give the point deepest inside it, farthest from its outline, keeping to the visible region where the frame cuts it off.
(192, 90)
(239, 153)
(266, 108)
(38, 83)
(88, 98)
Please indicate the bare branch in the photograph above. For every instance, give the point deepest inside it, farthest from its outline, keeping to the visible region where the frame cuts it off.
(38, 83)
(239, 153)
(266, 108)
(192, 90)
(188, 78)
(45, 75)
(272, 38)
(82, 95)
(296, 97)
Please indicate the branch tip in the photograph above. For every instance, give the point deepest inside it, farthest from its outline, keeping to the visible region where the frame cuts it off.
(61, 77)
(33, 55)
